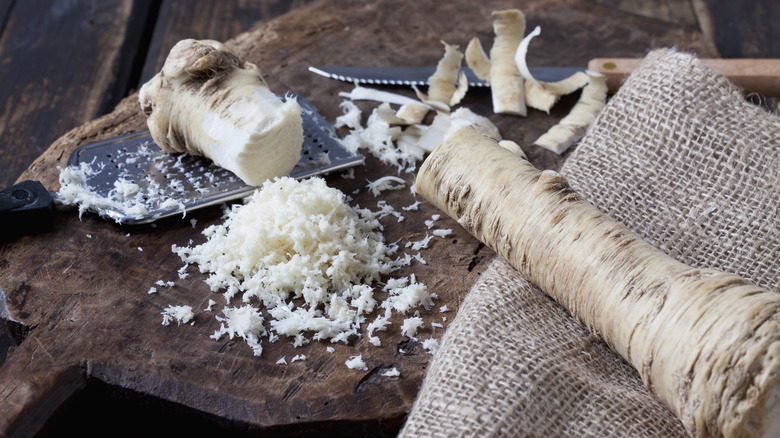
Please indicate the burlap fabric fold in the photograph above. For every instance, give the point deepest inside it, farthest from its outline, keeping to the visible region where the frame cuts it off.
(679, 156)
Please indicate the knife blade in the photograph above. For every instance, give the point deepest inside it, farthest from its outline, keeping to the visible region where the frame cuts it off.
(761, 76)
(419, 75)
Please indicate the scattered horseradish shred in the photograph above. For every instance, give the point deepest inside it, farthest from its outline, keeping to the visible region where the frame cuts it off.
(385, 183)
(411, 325)
(429, 223)
(356, 363)
(74, 190)
(431, 345)
(181, 314)
(244, 322)
(412, 207)
(379, 138)
(442, 232)
(392, 372)
(420, 244)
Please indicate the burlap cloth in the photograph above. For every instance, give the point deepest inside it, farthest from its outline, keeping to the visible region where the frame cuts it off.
(680, 157)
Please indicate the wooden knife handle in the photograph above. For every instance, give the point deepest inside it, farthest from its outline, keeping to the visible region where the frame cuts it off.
(760, 76)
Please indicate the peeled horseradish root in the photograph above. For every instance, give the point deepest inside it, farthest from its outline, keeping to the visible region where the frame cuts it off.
(705, 342)
(208, 102)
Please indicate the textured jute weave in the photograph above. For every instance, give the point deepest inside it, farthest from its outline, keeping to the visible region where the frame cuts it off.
(680, 157)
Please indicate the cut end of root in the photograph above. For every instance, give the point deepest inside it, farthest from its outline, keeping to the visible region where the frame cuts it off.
(549, 180)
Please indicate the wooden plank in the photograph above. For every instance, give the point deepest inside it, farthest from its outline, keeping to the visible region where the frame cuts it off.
(63, 63)
(5, 9)
(87, 297)
(211, 19)
(744, 29)
(671, 11)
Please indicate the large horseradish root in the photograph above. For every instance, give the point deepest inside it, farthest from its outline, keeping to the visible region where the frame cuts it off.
(705, 342)
(206, 101)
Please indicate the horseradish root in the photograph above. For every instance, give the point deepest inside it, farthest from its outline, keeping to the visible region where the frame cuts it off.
(500, 70)
(705, 342)
(206, 101)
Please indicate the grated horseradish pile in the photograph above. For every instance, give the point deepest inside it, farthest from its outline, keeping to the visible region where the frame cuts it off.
(301, 252)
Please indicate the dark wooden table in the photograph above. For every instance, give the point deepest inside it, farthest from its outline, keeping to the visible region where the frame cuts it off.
(64, 63)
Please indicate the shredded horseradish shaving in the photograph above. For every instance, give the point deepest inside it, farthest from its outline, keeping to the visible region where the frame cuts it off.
(180, 314)
(385, 183)
(356, 363)
(74, 190)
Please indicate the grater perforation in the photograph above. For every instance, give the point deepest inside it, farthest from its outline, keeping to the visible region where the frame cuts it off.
(171, 184)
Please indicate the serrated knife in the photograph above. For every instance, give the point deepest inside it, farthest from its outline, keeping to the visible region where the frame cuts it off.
(760, 76)
(419, 75)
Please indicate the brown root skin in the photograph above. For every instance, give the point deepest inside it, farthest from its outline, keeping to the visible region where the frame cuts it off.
(707, 343)
(505, 81)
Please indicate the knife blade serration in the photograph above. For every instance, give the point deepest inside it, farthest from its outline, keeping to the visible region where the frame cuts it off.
(419, 75)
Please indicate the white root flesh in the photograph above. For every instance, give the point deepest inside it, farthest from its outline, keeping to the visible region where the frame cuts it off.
(411, 111)
(445, 124)
(513, 147)
(707, 343)
(520, 54)
(573, 127)
(206, 101)
(364, 93)
(539, 94)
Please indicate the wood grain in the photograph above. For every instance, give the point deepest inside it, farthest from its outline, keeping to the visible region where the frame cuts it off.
(85, 48)
(761, 76)
(679, 12)
(742, 29)
(83, 284)
(211, 19)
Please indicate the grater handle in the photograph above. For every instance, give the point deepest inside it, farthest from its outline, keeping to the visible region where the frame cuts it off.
(25, 207)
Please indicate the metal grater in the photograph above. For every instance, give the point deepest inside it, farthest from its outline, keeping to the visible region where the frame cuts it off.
(172, 184)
